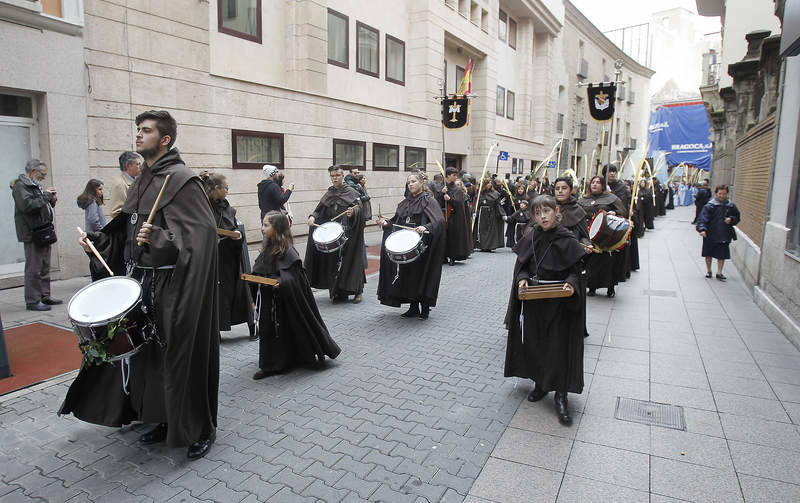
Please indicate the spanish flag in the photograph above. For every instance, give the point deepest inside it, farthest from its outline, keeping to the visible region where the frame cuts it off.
(465, 87)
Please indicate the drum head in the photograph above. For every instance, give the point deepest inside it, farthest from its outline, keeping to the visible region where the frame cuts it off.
(402, 241)
(104, 300)
(327, 232)
(597, 224)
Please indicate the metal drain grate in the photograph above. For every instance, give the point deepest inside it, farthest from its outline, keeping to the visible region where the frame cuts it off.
(654, 414)
(661, 293)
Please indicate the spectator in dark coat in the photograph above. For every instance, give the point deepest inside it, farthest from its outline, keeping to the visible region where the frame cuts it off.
(715, 224)
(33, 209)
(700, 200)
(270, 195)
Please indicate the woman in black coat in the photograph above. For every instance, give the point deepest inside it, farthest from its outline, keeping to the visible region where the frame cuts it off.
(545, 336)
(489, 213)
(715, 224)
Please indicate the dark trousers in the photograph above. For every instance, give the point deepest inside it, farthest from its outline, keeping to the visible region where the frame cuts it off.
(37, 272)
(697, 210)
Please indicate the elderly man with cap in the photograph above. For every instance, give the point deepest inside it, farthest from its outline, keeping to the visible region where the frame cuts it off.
(33, 217)
(271, 197)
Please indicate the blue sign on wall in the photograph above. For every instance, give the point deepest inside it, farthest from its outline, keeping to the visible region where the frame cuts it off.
(682, 129)
(503, 156)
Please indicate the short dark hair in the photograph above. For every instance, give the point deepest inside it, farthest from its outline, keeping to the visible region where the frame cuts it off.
(438, 176)
(543, 201)
(165, 124)
(450, 171)
(126, 158)
(565, 179)
(335, 167)
(721, 186)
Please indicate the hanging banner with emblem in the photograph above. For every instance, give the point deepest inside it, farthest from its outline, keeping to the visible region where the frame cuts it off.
(455, 112)
(601, 100)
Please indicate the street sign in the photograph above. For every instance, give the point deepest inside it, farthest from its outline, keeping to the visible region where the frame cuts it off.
(551, 164)
(502, 156)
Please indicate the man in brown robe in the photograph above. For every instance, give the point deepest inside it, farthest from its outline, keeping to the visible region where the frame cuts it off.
(174, 379)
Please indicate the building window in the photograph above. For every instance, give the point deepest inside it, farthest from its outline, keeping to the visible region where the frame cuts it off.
(459, 76)
(385, 157)
(16, 106)
(512, 33)
(338, 39)
(254, 149)
(510, 105)
(350, 153)
(415, 158)
(502, 26)
(367, 50)
(395, 60)
(240, 18)
(501, 101)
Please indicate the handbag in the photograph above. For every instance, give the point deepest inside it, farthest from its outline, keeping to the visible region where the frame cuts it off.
(44, 235)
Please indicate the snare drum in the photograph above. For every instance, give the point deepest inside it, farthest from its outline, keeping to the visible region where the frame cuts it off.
(329, 237)
(609, 232)
(404, 246)
(108, 301)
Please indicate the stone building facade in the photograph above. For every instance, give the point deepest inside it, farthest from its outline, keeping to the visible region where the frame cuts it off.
(307, 83)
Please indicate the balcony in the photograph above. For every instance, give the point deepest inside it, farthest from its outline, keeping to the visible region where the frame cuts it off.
(583, 69)
(620, 93)
(560, 123)
(631, 98)
(632, 144)
(65, 16)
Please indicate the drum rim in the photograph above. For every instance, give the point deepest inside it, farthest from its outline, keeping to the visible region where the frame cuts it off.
(408, 232)
(107, 320)
(328, 226)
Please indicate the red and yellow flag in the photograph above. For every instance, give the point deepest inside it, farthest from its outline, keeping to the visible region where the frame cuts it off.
(465, 87)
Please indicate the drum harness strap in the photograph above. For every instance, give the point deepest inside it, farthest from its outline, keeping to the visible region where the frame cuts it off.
(148, 301)
(534, 280)
(257, 320)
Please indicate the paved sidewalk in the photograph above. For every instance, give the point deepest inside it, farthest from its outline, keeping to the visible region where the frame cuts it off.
(420, 411)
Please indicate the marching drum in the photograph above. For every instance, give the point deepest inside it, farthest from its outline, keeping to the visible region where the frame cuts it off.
(404, 246)
(111, 302)
(609, 232)
(329, 237)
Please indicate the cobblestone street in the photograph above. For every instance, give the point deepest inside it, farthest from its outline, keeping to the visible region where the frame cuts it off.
(420, 411)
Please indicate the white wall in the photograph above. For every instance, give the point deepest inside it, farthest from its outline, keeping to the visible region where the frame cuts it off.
(742, 17)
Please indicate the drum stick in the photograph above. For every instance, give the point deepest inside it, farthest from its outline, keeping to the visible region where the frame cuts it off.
(409, 228)
(96, 253)
(155, 205)
(342, 213)
(252, 278)
(228, 234)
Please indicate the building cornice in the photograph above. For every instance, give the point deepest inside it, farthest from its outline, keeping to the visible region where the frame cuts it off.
(575, 17)
(550, 22)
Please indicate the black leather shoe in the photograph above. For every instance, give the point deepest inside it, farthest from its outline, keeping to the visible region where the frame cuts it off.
(536, 395)
(709, 275)
(413, 311)
(50, 301)
(452, 261)
(426, 311)
(39, 306)
(201, 447)
(156, 435)
(561, 408)
(611, 293)
(721, 277)
(590, 293)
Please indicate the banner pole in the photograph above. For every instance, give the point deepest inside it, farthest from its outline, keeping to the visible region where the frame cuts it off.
(617, 74)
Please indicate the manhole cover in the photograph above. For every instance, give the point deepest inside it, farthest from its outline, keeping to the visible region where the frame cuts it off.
(661, 293)
(654, 414)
